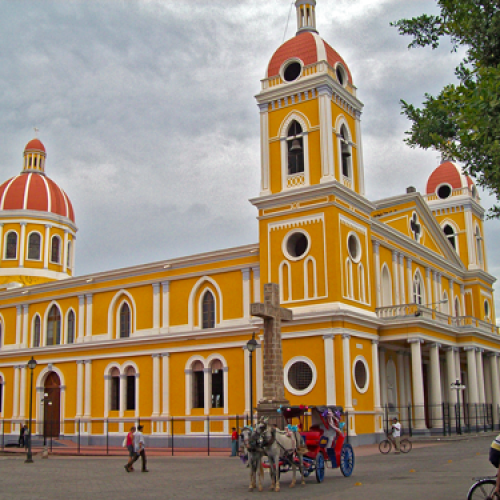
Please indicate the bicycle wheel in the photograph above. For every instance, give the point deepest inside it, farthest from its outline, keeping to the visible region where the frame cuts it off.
(405, 445)
(385, 446)
(482, 490)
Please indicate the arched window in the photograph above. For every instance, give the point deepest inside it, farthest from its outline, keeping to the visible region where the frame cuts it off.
(54, 326)
(55, 254)
(450, 234)
(198, 387)
(345, 152)
(295, 148)
(11, 245)
(131, 380)
(386, 288)
(124, 321)
(34, 244)
(114, 393)
(208, 307)
(68, 256)
(71, 328)
(36, 332)
(217, 384)
(418, 289)
(479, 248)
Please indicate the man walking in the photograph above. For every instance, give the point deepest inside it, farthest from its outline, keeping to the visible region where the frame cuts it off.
(140, 447)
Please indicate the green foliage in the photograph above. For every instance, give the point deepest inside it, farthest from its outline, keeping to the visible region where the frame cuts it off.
(463, 120)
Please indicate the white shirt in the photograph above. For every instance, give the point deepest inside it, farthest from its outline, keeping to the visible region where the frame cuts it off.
(138, 439)
(396, 430)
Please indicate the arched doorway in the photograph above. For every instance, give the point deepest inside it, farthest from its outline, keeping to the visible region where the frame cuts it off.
(52, 405)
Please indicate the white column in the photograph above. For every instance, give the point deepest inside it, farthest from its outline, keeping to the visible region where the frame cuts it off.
(487, 378)
(462, 300)
(156, 307)
(256, 284)
(379, 424)
(79, 388)
(331, 396)
(451, 299)
(409, 279)
(395, 277)
(406, 361)
(480, 376)
(435, 385)
(437, 298)
(359, 151)
(165, 322)
(495, 385)
(207, 389)
(429, 286)
(81, 318)
(246, 292)
(458, 368)
(246, 378)
(166, 385)
(418, 383)
(258, 371)
(376, 264)
(346, 352)
(452, 374)
(19, 321)
(107, 382)
(265, 187)
(402, 295)
(137, 392)
(156, 385)
(383, 375)
(326, 136)
(88, 388)
(440, 292)
(472, 374)
(22, 399)
(65, 252)
(188, 373)
(15, 405)
(403, 401)
(88, 329)
(25, 336)
(225, 379)
(22, 244)
(46, 246)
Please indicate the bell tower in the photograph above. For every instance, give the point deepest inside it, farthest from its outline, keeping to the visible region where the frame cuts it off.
(309, 114)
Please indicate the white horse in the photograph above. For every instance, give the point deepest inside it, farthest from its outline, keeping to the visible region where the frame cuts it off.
(255, 453)
(284, 444)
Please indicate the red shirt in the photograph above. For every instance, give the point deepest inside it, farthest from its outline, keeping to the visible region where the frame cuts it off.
(234, 436)
(130, 436)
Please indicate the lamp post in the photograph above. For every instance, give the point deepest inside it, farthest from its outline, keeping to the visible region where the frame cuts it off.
(458, 386)
(31, 366)
(251, 346)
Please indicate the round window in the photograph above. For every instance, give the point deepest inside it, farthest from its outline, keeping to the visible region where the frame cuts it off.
(300, 375)
(292, 71)
(360, 374)
(296, 245)
(444, 191)
(354, 247)
(341, 75)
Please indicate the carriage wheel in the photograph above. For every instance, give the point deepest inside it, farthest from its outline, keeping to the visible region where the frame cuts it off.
(346, 460)
(320, 467)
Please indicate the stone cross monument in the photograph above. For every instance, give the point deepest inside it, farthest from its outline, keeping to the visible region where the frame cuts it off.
(273, 314)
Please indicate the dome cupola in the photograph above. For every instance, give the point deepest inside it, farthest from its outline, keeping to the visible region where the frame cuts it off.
(448, 180)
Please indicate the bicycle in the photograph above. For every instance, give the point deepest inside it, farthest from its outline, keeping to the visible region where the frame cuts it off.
(386, 445)
(483, 489)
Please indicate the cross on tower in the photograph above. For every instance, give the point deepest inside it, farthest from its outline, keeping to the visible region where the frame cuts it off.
(273, 314)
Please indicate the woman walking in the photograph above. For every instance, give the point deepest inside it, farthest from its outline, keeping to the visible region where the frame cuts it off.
(131, 449)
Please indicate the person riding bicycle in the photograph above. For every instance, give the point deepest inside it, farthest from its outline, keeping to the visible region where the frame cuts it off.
(395, 436)
(495, 461)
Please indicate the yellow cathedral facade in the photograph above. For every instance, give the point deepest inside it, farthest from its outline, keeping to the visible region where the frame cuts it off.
(392, 300)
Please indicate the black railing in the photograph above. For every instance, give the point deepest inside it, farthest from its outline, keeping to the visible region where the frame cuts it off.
(445, 419)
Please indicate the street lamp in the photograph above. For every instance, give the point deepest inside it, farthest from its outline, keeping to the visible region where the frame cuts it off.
(251, 346)
(31, 366)
(458, 386)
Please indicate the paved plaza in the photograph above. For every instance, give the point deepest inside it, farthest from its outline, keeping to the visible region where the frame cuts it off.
(438, 470)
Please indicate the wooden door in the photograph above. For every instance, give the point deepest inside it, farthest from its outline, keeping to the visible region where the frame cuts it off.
(52, 404)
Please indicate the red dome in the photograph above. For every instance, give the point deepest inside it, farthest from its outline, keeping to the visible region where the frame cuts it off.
(34, 191)
(309, 48)
(448, 173)
(34, 145)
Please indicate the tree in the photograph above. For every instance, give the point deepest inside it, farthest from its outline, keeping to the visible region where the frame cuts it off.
(463, 120)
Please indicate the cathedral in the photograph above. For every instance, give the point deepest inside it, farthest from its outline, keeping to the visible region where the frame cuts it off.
(392, 300)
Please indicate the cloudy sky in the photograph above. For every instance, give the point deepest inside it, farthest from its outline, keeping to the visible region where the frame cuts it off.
(147, 113)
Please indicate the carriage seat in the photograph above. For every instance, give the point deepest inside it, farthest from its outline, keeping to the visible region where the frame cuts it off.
(312, 436)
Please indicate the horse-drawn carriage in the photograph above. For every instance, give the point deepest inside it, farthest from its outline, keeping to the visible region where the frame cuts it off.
(324, 439)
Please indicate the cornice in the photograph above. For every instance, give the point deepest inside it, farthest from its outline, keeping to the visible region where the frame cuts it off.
(27, 216)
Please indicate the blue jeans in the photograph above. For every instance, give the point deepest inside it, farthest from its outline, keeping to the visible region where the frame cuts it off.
(234, 448)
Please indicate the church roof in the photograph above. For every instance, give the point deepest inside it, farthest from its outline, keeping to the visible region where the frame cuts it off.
(35, 145)
(448, 173)
(310, 48)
